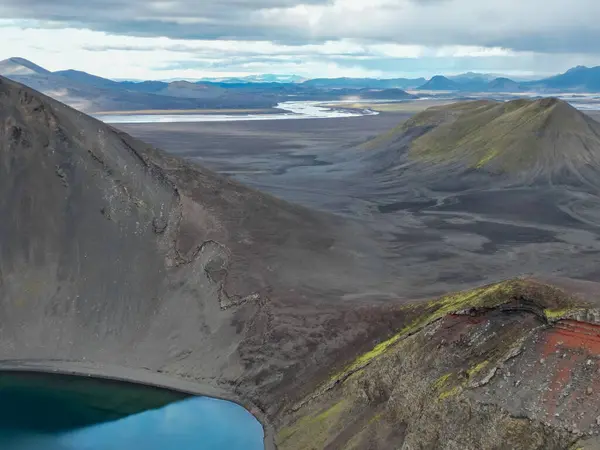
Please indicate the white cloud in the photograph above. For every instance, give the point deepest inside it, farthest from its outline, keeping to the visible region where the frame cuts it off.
(127, 56)
(123, 56)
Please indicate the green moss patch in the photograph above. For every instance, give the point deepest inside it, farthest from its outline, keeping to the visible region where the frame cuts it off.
(313, 431)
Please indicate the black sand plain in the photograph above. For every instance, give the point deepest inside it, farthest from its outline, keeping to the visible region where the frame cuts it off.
(442, 242)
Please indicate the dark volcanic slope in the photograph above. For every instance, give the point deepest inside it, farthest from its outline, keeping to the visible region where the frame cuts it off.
(114, 253)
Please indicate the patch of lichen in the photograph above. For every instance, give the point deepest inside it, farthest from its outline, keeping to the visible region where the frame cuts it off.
(375, 418)
(445, 388)
(556, 314)
(450, 393)
(442, 381)
(477, 368)
(312, 431)
(483, 297)
(450, 385)
(486, 159)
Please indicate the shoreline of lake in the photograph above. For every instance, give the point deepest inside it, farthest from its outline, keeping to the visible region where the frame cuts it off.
(141, 378)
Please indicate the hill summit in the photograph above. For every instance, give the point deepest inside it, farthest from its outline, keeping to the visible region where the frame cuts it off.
(439, 83)
(20, 66)
(543, 137)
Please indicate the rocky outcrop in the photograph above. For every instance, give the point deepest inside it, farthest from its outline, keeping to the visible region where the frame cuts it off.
(510, 365)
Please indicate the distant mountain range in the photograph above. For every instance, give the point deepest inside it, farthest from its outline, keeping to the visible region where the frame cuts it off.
(473, 76)
(580, 79)
(441, 83)
(368, 83)
(263, 78)
(91, 93)
(503, 84)
(577, 79)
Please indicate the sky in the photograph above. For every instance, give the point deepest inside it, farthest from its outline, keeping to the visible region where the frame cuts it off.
(193, 39)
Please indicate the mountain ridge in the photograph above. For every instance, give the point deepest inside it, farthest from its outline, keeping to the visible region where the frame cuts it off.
(96, 94)
(440, 83)
(21, 66)
(578, 78)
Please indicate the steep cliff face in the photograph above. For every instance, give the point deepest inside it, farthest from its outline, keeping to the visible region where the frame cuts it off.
(511, 365)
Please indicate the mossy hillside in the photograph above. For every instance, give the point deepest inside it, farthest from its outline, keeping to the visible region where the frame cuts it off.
(434, 116)
(316, 421)
(487, 296)
(423, 376)
(543, 136)
(313, 430)
(553, 302)
(510, 136)
(556, 314)
(438, 114)
(481, 136)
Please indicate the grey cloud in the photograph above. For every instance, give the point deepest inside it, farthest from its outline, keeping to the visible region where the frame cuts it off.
(171, 18)
(567, 40)
(548, 26)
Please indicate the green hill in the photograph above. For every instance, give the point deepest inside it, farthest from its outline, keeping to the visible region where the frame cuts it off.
(545, 135)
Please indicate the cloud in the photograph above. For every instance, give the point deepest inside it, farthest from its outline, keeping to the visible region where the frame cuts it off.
(547, 26)
(187, 19)
(193, 38)
(533, 25)
(118, 56)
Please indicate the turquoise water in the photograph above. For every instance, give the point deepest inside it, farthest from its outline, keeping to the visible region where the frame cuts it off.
(199, 423)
